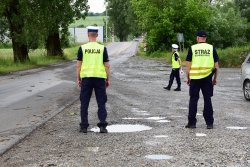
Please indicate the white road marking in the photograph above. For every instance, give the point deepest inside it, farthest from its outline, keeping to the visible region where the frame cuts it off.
(159, 157)
(155, 118)
(163, 121)
(160, 136)
(132, 118)
(200, 134)
(236, 127)
(123, 128)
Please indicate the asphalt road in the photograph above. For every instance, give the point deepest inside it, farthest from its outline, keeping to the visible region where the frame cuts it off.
(146, 124)
(30, 98)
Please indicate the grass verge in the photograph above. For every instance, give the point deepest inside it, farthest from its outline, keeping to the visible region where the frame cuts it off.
(231, 57)
(234, 56)
(37, 59)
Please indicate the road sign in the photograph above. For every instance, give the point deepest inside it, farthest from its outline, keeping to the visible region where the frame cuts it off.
(180, 37)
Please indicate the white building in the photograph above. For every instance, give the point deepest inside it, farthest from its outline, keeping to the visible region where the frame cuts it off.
(80, 34)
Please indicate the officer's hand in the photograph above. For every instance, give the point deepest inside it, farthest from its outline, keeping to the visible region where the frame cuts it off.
(188, 82)
(79, 82)
(107, 83)
(214, 81)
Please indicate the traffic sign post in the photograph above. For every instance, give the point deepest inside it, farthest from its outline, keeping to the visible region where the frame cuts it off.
(180, 39)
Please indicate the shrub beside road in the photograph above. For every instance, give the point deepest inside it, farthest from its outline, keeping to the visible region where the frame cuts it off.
(231, 57)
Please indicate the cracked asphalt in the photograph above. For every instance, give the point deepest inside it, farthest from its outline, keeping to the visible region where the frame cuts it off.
(136, 97)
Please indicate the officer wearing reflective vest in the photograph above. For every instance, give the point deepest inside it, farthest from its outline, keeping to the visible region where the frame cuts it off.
(202, 70)
(92, 70)
(175, 73)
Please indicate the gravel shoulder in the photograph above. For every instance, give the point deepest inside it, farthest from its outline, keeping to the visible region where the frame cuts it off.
(136, 97)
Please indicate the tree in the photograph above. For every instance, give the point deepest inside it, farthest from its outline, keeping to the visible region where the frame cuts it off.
(244, 6)
(163, 19)
(12, 12)
(227, 27)
(196, 17)
(3, 29)
(131, 18)
(54, 17)
(119, 14)
(153, 18)
(30, 22)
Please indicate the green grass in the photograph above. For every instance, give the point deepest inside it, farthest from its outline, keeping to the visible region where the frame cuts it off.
(161, 55)
(89, 20)
(37, 59)
(229, 57)
(70, 53)
(234, 56)
(5, 45)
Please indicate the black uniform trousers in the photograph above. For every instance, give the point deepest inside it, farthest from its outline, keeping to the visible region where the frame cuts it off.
(175, 73)
(206, 86)
(98, 84)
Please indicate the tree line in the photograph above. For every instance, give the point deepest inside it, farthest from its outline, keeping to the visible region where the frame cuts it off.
(226, 21)
(31, 23)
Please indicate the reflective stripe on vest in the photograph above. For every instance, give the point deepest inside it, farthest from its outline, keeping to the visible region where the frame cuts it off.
(202, 61)
(92, 63)
(175, 64)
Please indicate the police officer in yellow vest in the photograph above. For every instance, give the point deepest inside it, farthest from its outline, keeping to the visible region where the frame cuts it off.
(202, 70)
(175, 73)
(92, 70)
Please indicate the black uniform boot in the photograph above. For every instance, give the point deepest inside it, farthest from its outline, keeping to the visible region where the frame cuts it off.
(190, 126)
(167, 88)
(210, 126)
(177, 89)
(83, 130)
(103, 130)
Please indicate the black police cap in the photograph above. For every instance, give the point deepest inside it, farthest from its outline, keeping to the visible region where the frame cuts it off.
(201, 33)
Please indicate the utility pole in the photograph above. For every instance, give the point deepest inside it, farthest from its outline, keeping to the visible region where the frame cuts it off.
(113, 34)
(106, 23)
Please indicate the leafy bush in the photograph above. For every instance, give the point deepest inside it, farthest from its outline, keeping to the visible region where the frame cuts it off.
(227, 28)
(162, 20)
(234, 56)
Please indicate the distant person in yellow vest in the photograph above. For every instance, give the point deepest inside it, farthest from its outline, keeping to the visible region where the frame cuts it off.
(176, 66)
(202, 70)
(92, 72)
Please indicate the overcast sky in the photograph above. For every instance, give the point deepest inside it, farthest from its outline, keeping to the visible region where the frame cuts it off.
(96, 6)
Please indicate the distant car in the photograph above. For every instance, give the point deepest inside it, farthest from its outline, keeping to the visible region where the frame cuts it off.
(245, 77)
(136, 39)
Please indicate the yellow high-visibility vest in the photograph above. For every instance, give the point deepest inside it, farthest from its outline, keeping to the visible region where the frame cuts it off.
(175, 64)
(92, 63)
(202, 61)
